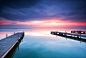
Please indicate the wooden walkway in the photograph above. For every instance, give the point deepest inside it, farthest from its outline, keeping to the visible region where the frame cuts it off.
(79, 32)
(66, 34)
(8, 43)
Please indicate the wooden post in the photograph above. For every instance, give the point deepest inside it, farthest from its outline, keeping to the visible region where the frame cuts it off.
(80, 33)
(14, 32)
(65, 32)
(6, 35)
(18, 36)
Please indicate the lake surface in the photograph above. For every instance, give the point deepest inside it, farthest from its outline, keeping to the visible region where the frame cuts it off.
(39, 43)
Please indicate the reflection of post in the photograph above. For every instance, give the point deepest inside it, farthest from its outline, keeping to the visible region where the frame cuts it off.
(65, 34)
(80, 41)
(66, 38)
(18, 48)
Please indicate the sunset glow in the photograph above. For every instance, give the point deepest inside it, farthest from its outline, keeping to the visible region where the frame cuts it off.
(44, 23)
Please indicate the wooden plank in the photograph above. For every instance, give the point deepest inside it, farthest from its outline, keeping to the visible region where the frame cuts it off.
(8, 43)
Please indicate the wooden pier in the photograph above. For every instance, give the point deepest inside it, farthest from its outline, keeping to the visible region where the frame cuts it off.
(7, 44)
(79, 32)
(78, 36)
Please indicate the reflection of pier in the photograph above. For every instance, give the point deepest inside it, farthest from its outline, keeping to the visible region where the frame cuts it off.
(7, 44)
(71, 35)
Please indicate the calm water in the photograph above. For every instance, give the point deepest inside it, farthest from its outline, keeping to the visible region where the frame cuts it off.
(39, 43)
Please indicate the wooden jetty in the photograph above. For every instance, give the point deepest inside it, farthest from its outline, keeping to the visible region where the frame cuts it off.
(13, 50)
(79, 32)
(8, 43)
(78, 36)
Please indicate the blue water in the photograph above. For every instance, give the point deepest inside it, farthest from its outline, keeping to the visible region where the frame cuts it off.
(39, 43)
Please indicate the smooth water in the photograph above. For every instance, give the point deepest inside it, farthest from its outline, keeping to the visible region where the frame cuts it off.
(39, 43)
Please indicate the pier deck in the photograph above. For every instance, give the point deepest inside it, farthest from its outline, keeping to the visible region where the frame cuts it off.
(79, 32)
(8, 43)
(64, 33)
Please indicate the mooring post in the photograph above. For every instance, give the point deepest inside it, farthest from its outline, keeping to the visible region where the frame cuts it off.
(65, 33)
(23, 31)
(18, 36)
(80, 33)
(14, 32)
(6, 35)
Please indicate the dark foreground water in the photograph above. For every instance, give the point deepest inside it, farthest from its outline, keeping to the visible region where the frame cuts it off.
(39, 43)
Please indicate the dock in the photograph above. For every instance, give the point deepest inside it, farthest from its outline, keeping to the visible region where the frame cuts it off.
(8, 43)
(78, 36)
(79, 32)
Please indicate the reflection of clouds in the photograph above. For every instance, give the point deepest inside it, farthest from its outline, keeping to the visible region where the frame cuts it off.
(49, 47)
(44, 32)
(38, 32)
(34, 32)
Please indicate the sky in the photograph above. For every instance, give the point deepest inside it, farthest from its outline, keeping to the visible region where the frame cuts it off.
(42, 14)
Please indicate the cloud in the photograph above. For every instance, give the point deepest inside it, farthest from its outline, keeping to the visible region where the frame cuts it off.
(19, 10)
(17, 4)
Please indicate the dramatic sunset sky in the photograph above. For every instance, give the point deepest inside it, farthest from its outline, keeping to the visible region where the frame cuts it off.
(43, 14)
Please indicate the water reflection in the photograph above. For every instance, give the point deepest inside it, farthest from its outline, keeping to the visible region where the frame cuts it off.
(39, 43)
(50, 47)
